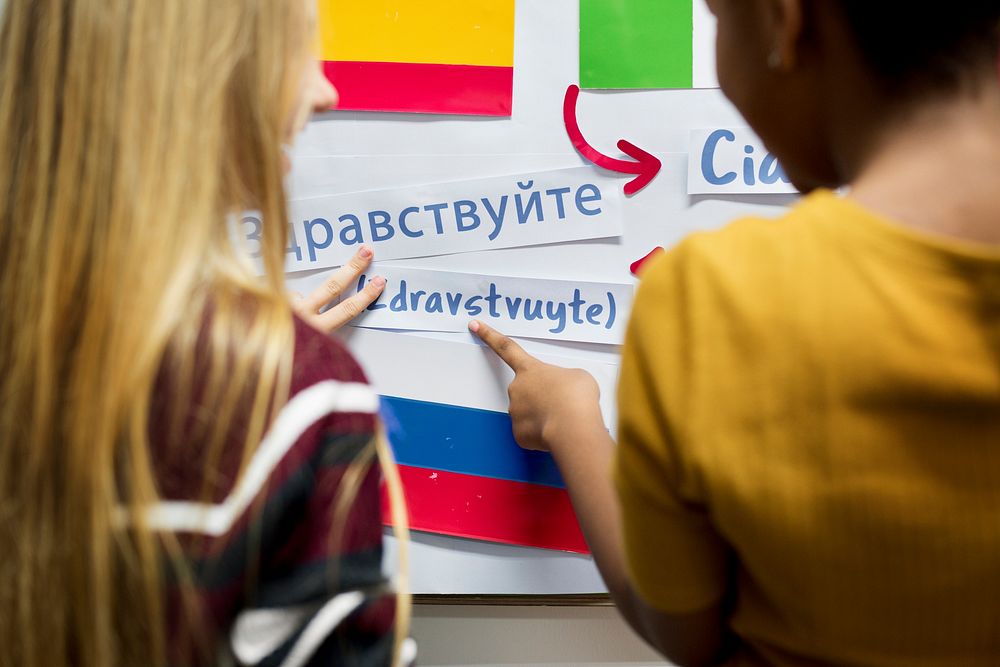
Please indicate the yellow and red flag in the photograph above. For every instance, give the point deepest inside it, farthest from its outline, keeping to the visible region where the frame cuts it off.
(421, 56)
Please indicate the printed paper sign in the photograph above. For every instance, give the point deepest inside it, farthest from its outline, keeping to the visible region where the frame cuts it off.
(420, 56)
(733, 161)
(447, 218)
(569, 310)
(647, 44)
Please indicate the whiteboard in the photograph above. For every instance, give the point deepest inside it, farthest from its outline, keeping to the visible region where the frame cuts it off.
(344, 152)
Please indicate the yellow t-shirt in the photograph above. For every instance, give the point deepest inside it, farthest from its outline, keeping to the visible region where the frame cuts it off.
(810, 421)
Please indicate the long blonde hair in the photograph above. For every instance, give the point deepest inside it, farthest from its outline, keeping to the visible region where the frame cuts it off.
(130, 131)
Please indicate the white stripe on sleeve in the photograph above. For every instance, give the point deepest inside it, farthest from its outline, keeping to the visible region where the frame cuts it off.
(301, 412)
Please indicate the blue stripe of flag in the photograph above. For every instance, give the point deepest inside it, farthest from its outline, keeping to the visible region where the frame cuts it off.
(463, 440)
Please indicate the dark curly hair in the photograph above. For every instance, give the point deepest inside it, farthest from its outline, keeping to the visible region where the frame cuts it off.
(921, 46)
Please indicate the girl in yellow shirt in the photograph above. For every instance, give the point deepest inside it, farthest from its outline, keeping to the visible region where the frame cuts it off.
(808, 470)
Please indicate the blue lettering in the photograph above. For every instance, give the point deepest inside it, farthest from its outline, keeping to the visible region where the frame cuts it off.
(708, 158)
(748, 166)
(466, 210)
(496, 215)
(530, 314)
(492, 300)
(434, 303)
(576, 304)
(293, 244)
(471, 308)
(374, 305)
(436, 210)
(771, 172)
(454, 301)
(415, 299)
(380, 220)
(358, 235)
(254, 235)
(534, 202)
(398, 303)
(402, 223)
(558, 194)
(311, 242)
(512, 306)
(556, 312)
(581, 199)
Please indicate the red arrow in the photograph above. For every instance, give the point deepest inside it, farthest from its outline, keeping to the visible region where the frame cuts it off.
(637, 265)
(646, 168)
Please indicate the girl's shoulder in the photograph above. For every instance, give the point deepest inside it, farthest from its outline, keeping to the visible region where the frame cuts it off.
(320, 357)
(329, 405)
(329, 381)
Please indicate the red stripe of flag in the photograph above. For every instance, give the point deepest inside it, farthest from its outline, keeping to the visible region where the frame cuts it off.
(422, 88)
(490, 509)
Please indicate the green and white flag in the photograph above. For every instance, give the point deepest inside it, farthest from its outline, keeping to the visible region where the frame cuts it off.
(647, 44)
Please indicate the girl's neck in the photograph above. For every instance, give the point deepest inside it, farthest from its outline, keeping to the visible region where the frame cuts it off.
(938, 170)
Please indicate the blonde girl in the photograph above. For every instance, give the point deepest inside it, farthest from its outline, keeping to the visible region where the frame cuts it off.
(188, 470)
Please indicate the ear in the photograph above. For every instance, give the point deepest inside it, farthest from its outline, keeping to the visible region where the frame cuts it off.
(787, 23)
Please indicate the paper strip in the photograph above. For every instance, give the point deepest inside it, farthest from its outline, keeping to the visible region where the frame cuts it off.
(570, 310)
(448, 218)
(470, 32)
(490, 509)
(636, 44)
(704, 73)
(733, 161)
(422, 88)
(445, 565)
(463, 440)
(465, 374)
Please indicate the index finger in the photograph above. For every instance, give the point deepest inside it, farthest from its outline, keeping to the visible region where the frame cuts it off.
(339, 281)
(512, 354)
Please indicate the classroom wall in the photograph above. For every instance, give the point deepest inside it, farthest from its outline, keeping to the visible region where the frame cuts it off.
(352, 152)
(349, 152)
(472, 636)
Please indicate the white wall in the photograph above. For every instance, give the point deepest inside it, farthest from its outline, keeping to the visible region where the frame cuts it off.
(345, 152)
(474, 636)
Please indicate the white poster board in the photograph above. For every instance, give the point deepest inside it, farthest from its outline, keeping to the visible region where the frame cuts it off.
(350, 152)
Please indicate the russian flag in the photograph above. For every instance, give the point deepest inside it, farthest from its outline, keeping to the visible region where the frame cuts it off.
(647, 44)
(420, 56)
(464, 475)
(444, 408)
